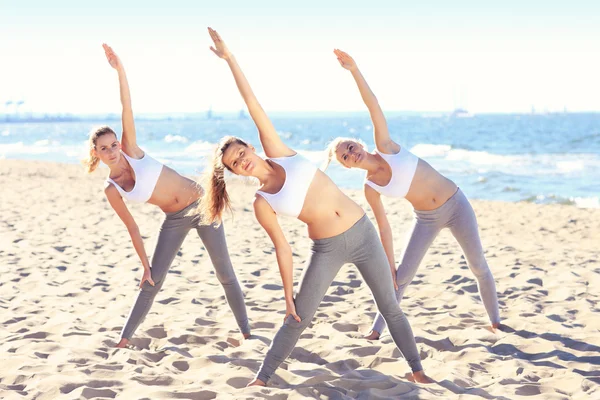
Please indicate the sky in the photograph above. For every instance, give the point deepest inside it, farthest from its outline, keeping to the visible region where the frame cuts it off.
(433, 56)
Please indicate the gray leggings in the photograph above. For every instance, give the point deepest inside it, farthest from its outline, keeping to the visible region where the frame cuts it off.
(458, 215)
(361, 246)
(173, 231)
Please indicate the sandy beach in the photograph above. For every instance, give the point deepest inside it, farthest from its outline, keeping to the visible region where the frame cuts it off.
(70, 274)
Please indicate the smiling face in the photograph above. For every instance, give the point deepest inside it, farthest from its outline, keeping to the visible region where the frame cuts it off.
(240, 159)
(350, 153)
(108, 149)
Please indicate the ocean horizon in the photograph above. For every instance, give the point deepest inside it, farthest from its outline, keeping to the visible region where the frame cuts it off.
(541, 158)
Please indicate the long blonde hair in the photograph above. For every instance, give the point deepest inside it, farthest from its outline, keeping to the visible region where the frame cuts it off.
(91, 162)
(216, 199)
(333, 146)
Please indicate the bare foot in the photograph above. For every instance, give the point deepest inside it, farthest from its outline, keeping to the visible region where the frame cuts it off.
(373, 335)
(420, 377)
(122, 343)
(256, 382)
(247, 335)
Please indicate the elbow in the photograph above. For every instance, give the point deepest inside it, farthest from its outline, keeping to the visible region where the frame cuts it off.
(283, 250)
(133, 230)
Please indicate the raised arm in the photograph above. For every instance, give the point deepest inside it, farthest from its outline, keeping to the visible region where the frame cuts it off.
(128, 141)
(383, 140)
(117, 203)
(268, 220)
(385, 230)
(270, 140)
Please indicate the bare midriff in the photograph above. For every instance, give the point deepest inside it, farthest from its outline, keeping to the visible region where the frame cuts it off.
(327, 211)
(429, 189)
(174, 192)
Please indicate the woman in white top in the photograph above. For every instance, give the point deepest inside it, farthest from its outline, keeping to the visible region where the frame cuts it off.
(340, 231)
(438, 203)
(137, 177)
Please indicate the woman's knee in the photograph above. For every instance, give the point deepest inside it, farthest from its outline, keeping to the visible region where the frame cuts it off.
(225, 274)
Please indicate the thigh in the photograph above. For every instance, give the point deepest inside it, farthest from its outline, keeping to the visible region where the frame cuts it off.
(419, 240)
(214, 241)
(465, 230)
(170, 239)
(320, 270)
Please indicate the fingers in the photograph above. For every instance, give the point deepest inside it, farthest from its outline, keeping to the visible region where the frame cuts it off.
(214, 50)
(294, 315)
(214, 35)
(150, 281)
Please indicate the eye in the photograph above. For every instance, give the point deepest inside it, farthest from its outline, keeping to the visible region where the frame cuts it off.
(242, 154)
(351, 147)
(114, 145)
(234, 164)
(344, 157)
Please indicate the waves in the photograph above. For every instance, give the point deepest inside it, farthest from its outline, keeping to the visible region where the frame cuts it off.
(504, 161)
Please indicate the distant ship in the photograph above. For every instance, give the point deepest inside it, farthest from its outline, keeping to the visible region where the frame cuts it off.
(461, 113)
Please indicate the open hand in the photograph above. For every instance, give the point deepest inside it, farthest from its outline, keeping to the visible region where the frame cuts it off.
(147, 277)
(220, 48)
(345, 60)
(112, 57)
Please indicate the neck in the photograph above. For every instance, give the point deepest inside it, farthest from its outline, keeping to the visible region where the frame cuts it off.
(372, 163)
(117, 168)
(264, 172)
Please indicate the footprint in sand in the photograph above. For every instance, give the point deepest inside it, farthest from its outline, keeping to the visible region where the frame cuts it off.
(181, 365)
(157, 333)
(192, 339)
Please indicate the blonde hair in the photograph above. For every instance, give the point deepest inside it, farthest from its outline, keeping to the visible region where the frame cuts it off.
(216, 199)
(91, 162)
(333, 146)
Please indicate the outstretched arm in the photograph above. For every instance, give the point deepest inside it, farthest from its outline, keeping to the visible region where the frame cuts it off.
(385, 230)
(268, 220)
(117, 203)
(382, 136)
(128, 141)
(270, 140)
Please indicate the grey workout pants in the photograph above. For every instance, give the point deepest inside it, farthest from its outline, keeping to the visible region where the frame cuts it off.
(361, 246)
(458, 215)
(173, 231)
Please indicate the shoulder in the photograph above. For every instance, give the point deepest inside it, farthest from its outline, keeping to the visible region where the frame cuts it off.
(261, 204)
(370, 193)
(111, 191)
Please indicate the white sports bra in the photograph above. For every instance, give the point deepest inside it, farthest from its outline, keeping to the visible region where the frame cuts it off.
(147, 170)
(299, 174)
(403, 164)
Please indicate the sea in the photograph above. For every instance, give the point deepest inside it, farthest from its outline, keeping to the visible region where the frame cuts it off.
(539, 158)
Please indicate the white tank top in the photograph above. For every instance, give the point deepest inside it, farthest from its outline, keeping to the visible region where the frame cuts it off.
(299, 174)
(403, 165)
(146, 170)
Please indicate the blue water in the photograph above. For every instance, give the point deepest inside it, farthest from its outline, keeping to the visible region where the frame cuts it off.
(552, 158)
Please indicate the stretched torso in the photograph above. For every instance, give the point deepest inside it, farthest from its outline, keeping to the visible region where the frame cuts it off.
(426, 190)
(155, 184)
(325, 209)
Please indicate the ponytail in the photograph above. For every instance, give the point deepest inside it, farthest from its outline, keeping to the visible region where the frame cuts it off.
(216, 199)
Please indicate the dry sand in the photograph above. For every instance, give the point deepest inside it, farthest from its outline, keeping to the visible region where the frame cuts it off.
(70, 274)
